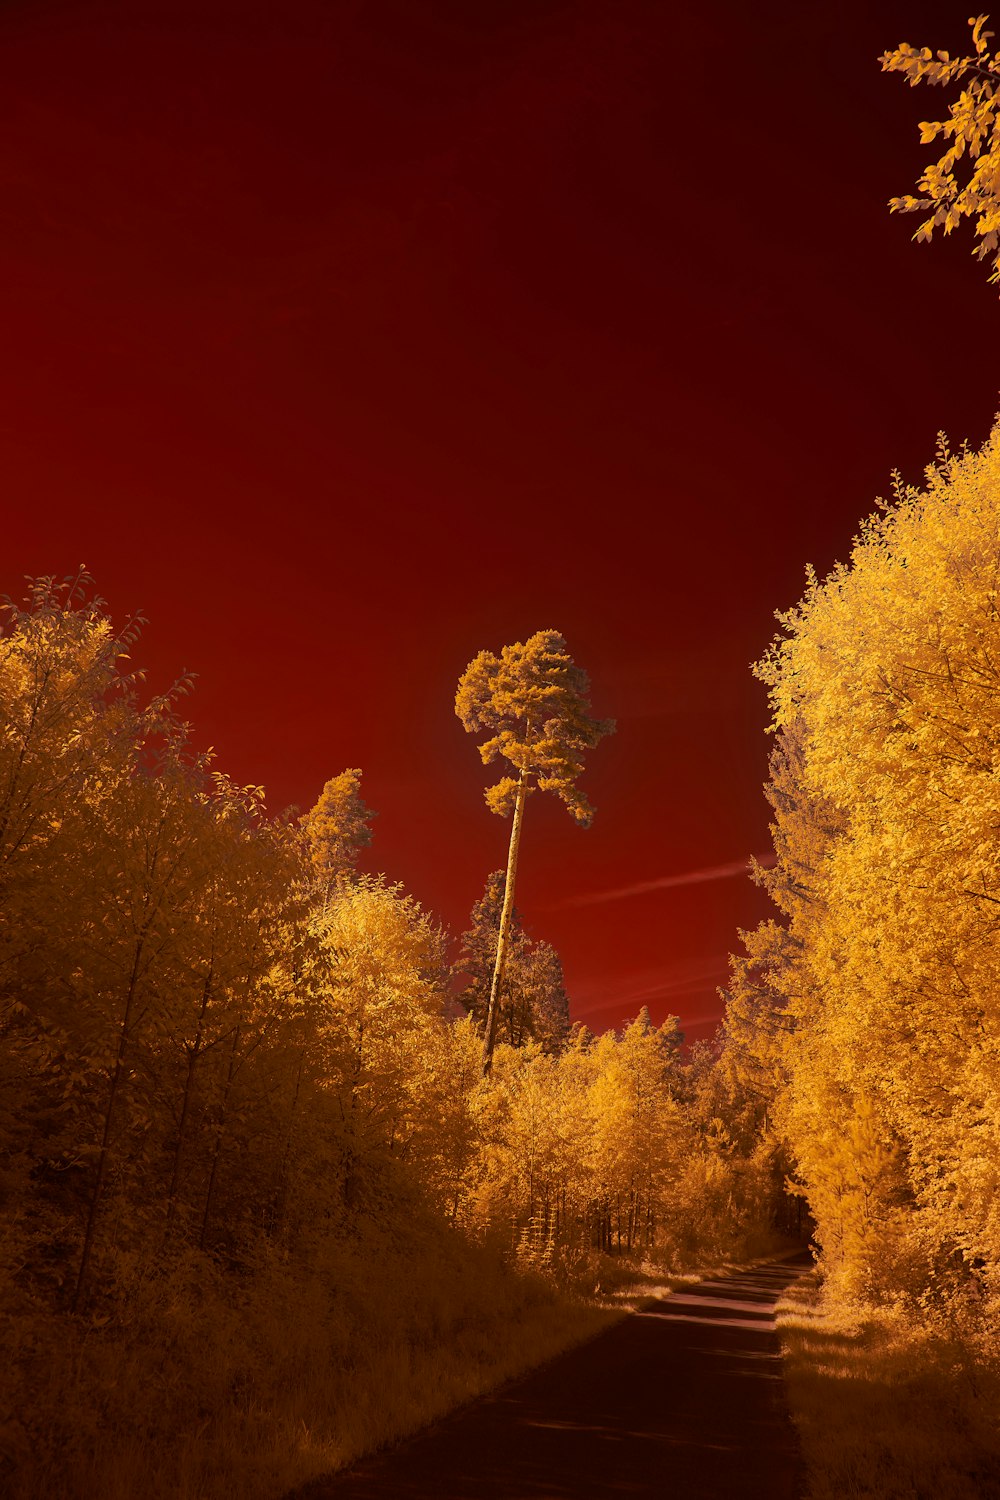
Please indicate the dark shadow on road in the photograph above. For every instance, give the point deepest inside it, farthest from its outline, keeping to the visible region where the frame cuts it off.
(683, 1399)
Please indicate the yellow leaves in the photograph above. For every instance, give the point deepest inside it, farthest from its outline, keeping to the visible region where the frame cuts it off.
(887, 799)
(337, 828)
(979, 36)
(575, 1137)
(972, 124)
(536, 701)
(500, 798)
(388, 959)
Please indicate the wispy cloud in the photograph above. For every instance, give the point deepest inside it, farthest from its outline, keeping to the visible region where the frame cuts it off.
(665, 883)
(671, 984)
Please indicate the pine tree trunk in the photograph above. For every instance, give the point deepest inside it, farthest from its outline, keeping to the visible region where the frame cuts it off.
(493, 1012)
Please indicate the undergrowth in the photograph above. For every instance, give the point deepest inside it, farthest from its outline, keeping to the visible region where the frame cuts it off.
(215, 1384)
(887, 1407)
(210, 1387)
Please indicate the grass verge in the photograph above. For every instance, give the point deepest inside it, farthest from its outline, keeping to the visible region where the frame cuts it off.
(208, 1386)
(885, 1409)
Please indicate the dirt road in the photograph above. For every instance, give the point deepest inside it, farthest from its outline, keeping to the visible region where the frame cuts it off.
(683, 1400)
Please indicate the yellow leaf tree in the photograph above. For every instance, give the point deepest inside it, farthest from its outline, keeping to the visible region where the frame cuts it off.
(534, 703)
(972, 130)
(337, 828)
(883, 1025)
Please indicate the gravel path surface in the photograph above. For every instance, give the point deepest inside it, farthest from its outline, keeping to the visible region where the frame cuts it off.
(682, 1400)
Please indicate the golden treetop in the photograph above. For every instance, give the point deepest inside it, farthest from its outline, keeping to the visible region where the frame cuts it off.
(338, 827)
(534, 701)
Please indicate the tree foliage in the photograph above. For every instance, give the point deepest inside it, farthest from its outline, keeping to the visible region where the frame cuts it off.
(338, 828)
(533, 1002)
(240, 1135)
(866, 1022)
(533, 701)
(972, 131)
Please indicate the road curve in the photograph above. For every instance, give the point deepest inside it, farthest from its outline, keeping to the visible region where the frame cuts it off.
(683, 1400)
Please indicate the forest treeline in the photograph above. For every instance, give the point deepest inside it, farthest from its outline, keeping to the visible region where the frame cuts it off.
(865, 1018)
(253, 1173)
(284, 1171)
(258, 1188)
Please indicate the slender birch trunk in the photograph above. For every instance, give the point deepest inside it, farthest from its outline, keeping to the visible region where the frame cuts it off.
(493, 1013)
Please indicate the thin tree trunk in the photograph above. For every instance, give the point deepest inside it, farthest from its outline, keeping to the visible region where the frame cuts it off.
(220, 1130)
(286, 1157)
(493, 1012)
(102, 1159)
(193, 1054)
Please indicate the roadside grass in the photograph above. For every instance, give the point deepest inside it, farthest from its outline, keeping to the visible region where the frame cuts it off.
(210, 1386)
(626, 1284)
(404, 1389)
(886, 1410)
(203, 1388)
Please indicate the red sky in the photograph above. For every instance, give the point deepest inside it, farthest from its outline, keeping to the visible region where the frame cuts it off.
(348, 339)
